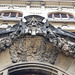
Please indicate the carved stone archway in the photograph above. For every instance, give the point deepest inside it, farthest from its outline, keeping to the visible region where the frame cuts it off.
(36, 40)
(33, 68)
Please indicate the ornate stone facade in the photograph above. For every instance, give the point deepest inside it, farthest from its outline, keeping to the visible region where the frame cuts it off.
(33, 48)
(34, 39)
(61, 39)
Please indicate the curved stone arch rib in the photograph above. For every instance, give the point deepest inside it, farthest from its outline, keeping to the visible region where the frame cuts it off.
(34, 67)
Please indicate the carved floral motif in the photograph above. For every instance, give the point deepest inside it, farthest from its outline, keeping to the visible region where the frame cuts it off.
(63, 41)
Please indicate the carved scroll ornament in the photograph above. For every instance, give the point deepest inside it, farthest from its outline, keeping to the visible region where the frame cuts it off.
(63, 40)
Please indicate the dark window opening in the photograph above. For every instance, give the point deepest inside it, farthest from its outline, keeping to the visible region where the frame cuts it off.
(6, 14)
(19, 15)
(71, 16)
(63, 15)
(29, 73)
(56, 15)
(10, 14)
(0, 14)
(13, 14)
(50, 16)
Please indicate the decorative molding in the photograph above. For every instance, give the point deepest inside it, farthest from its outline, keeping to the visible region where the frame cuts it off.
(35, 67)
(63, 40)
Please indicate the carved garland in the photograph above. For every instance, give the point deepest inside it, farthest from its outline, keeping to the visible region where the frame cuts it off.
(62, 45)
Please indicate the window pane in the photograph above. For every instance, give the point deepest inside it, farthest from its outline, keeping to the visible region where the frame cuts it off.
(50, 16)
(6, 14)
(71, 16)
(13, 14)
(19, 15)
(56, 15)
(0, 14)
(63, 15)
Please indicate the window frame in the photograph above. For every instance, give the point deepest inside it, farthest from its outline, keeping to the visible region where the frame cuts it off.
(10, 13)
(60, 16)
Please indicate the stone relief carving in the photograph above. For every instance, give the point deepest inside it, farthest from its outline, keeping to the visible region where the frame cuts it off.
(33, 49)
(64, 41)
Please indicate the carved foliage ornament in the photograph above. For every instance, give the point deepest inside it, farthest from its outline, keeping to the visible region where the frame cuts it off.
(63, 40)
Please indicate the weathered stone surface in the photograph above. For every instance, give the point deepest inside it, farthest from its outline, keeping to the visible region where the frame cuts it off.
(33, 49)
(62, 40)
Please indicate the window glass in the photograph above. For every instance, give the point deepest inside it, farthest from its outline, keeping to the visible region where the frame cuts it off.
(6, 14)
(0, 14)
(19, 15)
(50, 16)
(56, 15)
(13, 14)
(10, 14)
(71, 16)
(63, 15)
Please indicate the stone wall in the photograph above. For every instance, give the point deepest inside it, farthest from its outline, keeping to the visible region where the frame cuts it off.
(5, 59)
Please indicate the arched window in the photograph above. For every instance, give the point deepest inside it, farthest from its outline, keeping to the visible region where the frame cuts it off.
(50, 16)
(57, 15)
(60, 16)
(19, 15)
(13, 14)
(71, 16)
(10, 14)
